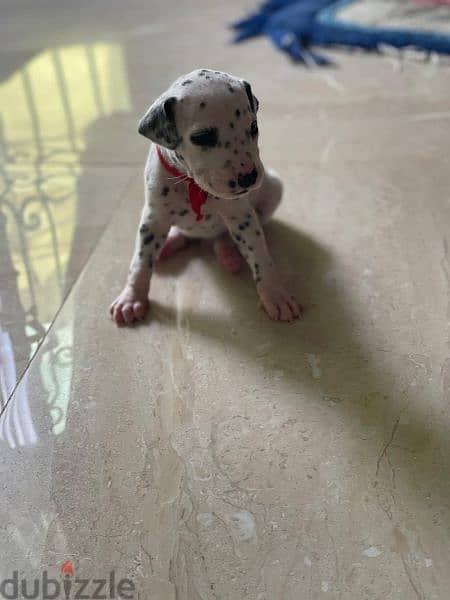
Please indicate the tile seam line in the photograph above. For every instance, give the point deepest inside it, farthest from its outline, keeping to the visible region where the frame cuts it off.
(69, 291)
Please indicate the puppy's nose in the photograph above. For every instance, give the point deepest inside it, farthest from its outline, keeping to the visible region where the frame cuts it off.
(248, 179)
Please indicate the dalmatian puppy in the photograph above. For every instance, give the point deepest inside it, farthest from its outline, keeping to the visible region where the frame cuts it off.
(204, 179)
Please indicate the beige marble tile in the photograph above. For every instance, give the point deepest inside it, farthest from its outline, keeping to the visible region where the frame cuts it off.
(211, 453)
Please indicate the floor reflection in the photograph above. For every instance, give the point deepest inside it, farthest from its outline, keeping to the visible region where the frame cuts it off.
(47, 107)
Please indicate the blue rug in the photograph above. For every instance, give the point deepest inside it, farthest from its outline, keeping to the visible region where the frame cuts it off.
(296, 26)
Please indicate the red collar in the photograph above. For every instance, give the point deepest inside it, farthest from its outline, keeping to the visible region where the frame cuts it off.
(197, 196)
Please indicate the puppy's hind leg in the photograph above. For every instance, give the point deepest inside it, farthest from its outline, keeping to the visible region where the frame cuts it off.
(268, 196)
(175, 242)
(227, 255)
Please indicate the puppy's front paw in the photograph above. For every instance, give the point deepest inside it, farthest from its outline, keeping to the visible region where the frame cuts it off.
(131, 305)
(278, 303)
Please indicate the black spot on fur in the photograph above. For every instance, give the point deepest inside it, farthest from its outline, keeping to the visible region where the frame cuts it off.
(183, 212)
(232, 183)
(208, 217)
(237, 113)
(227, 145)
(235, 152)
(187, 82)
(258, 280)
(231, 125)
(258, 232)
(230, 88)
(165, 191)
(143, 229)
(148, 239)
(227, 164)
(202, 104)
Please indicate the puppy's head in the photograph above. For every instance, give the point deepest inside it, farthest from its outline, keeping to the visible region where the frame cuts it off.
(209, 119)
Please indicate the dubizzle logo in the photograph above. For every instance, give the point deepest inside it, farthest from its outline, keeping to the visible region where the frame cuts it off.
(67, 568)
(68, 587)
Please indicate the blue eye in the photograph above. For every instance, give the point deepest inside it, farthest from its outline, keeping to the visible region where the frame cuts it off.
(205, 137)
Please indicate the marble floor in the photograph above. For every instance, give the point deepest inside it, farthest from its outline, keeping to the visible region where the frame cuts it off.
(211, 453)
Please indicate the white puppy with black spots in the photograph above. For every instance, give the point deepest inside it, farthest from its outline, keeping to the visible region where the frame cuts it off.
(204, 179)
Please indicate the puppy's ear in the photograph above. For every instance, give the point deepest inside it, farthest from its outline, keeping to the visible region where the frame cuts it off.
(158, 124)
(253, 100)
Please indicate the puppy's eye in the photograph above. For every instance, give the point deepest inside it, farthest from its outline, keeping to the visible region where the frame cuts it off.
(254, 129)
(205, 137)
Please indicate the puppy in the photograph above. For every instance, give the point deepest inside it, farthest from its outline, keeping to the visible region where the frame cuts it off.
(204, 179)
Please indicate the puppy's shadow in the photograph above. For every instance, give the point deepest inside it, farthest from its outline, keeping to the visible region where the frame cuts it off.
(304, 266)
(326, 357)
